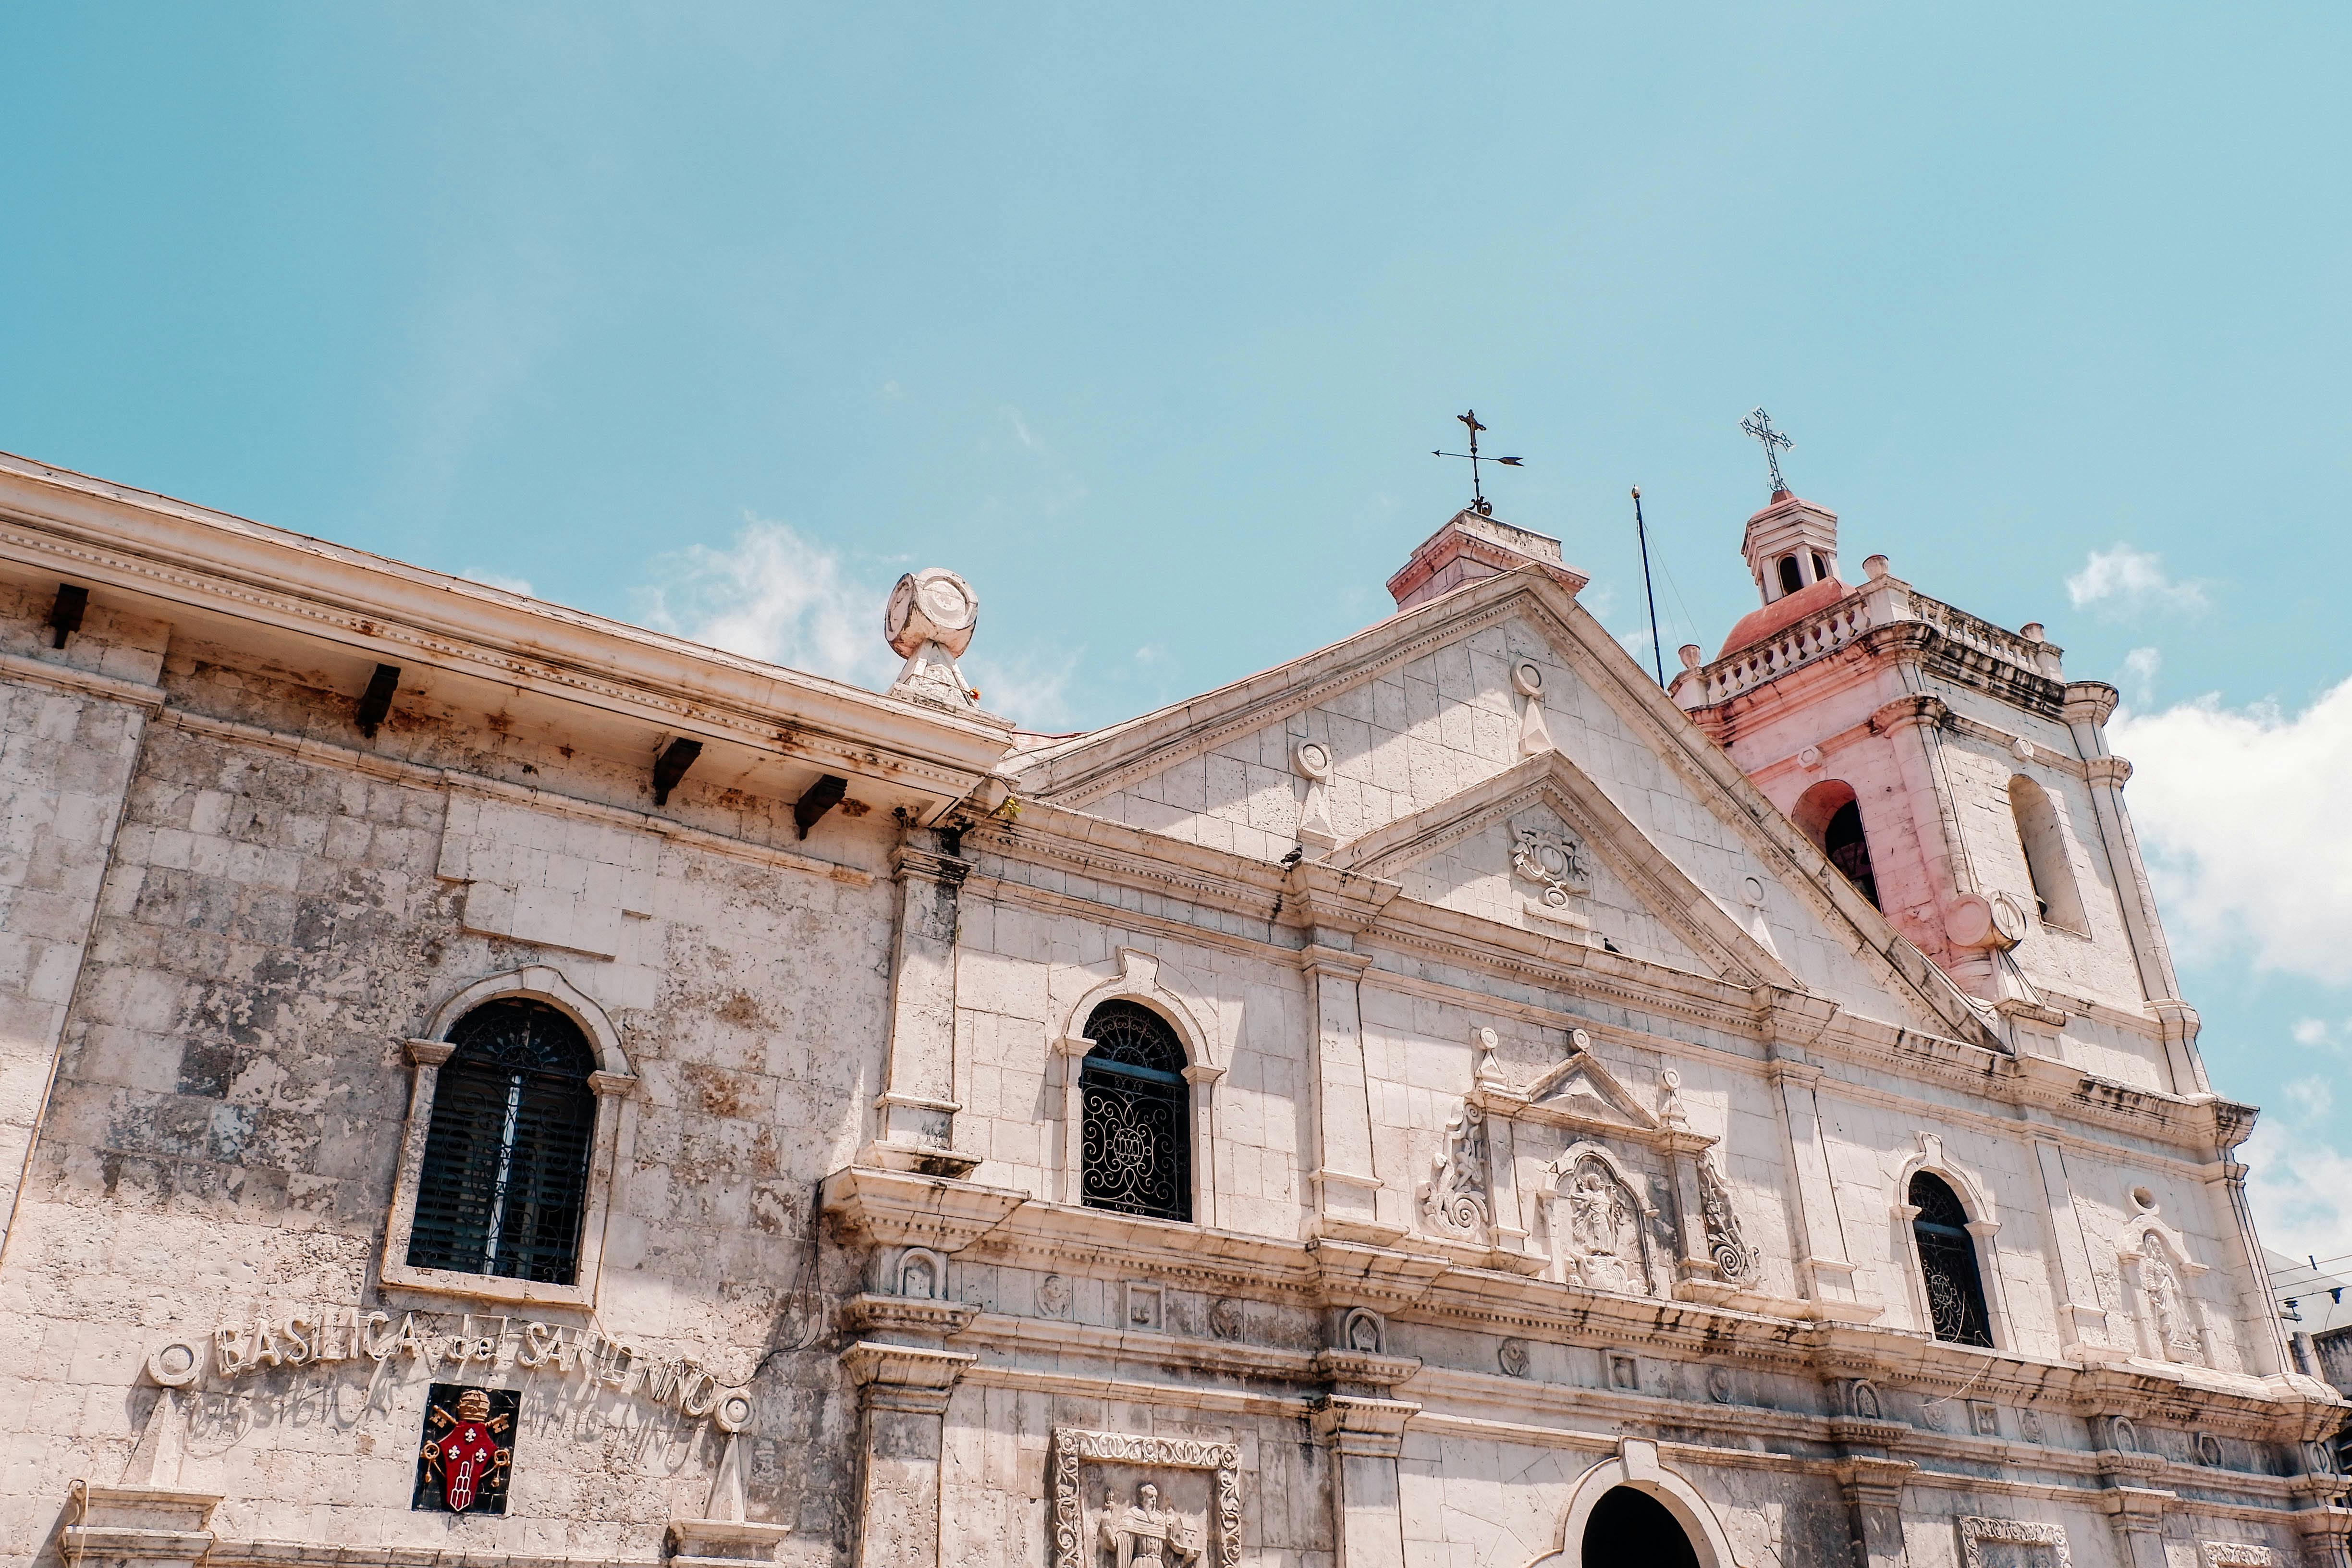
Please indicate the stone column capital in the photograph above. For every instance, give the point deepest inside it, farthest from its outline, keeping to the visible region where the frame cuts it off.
(913, 863)
(428, 1053)
(905, 1377)
(2112, 772)
(1363, 1428)
(1916, 712)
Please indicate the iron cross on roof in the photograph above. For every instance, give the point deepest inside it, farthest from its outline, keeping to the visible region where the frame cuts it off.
(1478, 502)
(1759, 426)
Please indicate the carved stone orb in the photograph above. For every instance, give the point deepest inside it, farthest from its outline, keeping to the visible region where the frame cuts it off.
(933, 606)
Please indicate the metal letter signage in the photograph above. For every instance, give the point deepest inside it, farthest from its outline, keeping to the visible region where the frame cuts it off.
(468, 1454)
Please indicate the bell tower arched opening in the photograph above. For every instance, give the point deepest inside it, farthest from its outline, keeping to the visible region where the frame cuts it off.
(1831, 817)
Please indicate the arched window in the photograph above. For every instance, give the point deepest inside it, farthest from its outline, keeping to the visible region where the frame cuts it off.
(2046, 861)
(505, 1178)
(1820, 568)
(1628, 1526)
(1138, 1114)
(1948, 1259)
(1790, 580)
(1831, 817)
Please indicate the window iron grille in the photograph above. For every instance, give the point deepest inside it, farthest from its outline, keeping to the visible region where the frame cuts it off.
(1948, 1259)
(1137, 1138)
(506, 1157)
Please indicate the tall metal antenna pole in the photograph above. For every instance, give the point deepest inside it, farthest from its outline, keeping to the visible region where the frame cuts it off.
(1642, 535)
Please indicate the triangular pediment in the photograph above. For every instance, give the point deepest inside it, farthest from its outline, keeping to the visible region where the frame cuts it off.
(1583, 1092)
(1542, 845)
(1406, 732)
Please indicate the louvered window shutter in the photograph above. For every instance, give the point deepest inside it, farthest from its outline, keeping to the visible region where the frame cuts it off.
(505, 1159)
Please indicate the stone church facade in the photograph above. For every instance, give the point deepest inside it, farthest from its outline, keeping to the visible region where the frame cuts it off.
(484, 1084)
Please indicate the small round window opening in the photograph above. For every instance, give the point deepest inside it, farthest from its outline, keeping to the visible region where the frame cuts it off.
(1137, 1143)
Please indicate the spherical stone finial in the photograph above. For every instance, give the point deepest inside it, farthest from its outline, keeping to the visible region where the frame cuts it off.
(933, 606)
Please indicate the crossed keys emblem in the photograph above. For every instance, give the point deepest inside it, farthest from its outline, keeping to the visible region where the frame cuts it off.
(462, 1454)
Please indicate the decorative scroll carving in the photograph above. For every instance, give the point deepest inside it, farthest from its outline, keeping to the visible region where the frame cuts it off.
(2239, 1555)
(1734, 1261)
(1455, 1197)
(1143, 1531)
(2048, 1542)
(1552, 859)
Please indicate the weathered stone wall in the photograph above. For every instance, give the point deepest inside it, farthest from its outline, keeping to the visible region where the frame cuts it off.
(220, 1144)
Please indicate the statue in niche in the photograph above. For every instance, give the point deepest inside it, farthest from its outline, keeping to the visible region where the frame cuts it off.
(1604, 1229)
(1144, 1534)
(2168, 1307)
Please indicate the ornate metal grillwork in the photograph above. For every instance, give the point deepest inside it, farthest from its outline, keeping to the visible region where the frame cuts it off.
(1137, 1138)
(505, 1159)
(1948, 1257)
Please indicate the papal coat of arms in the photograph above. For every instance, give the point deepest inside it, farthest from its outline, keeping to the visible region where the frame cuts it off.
(467, 1453)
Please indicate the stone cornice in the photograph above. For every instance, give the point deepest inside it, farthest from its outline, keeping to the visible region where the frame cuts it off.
(166, 554)
(1410, 1286)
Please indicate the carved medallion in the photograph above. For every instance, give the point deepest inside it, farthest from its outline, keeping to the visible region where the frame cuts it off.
(468, 1455)
(1512, 1357)
(1052, 1296)
(1225, 1318)
(1552, 859)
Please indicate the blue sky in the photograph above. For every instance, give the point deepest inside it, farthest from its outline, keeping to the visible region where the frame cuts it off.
(1146, 320)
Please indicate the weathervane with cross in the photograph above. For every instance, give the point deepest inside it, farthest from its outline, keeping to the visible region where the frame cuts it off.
(1759, 426)
(1478, 502)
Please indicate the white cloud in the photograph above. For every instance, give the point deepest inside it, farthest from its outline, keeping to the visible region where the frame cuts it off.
(2137, 677)
(773, 593)
(2301, 1189)
(2240, 814)
(499, 580)
(2125, 581)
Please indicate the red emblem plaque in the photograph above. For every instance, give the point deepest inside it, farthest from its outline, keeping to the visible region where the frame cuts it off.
(464, 1461)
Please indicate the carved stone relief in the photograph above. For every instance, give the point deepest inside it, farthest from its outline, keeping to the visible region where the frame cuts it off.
(1225, 1318)
(1453, 1199)
(2238, 1554)
(2013, 1543)
(1512, 1357)
(1054, 1296)
(1600, 1225)
(1130, 1501)
(1734, 1261)
(1553, 862)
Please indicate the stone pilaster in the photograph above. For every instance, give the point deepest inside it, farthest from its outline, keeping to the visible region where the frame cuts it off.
(915, 1114)
(2082, 1321)
(1873, 1487)
(1364, 1429)
(2326, 1532)
(903, 1394)
(1824, 1267)
(1346, 1187)
(2138, 1514)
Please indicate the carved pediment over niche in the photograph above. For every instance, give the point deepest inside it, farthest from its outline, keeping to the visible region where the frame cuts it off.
(1635, 1202)
(1580, 1094)
(1122, 1499)
(2013, 1543)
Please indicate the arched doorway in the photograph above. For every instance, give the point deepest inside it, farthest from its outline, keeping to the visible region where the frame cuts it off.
(1630, 1528)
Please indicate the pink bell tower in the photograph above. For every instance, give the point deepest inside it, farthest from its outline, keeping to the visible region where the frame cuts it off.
(1960, 783)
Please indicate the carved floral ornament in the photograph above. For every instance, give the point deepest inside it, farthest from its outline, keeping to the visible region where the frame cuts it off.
(1140, 1524)
(1976, 1534)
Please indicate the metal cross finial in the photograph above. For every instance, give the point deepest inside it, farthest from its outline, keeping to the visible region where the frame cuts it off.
(1759, 426)
(1478, 502)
